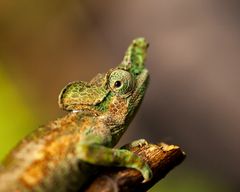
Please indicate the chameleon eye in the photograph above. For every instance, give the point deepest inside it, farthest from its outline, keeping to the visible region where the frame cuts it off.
(121, 82)
(117, 84)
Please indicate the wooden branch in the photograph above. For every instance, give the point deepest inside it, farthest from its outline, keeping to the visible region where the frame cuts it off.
(161, 158)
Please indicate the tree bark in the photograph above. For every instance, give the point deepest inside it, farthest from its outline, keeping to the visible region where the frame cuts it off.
(161, 158)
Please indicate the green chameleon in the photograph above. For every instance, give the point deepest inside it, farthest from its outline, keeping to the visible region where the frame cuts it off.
(63, 154)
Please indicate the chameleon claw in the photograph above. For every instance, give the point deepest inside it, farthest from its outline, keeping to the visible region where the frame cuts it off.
(139, 143)
(136, 143)
(146, 173)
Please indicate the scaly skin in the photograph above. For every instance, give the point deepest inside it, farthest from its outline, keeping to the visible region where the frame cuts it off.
(64, 153)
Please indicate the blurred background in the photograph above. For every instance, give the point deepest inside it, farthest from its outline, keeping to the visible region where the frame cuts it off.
(193, 96)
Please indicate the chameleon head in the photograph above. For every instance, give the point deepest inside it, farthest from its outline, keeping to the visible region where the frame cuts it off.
(116, 94)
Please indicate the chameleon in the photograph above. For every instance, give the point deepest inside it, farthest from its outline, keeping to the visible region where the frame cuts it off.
(63, 154)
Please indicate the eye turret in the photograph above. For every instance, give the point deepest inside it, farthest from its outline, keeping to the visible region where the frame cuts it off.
(121, 82)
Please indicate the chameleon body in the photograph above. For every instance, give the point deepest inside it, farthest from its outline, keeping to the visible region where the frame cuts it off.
(63, 154)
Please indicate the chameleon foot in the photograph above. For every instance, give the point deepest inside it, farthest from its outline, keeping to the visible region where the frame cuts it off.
(136, 143)
(146, 173)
